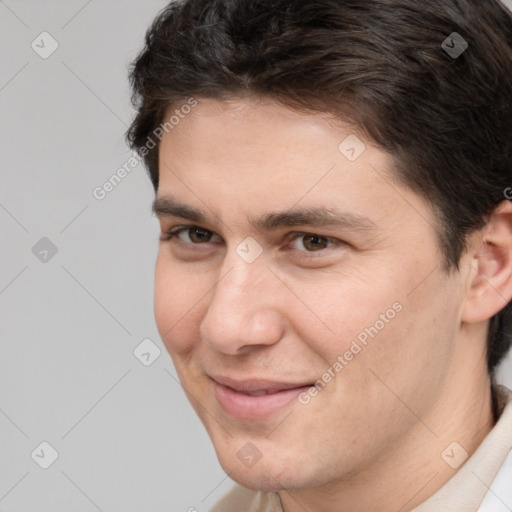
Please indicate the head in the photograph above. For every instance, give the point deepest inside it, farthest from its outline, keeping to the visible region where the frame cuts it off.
(257, 121)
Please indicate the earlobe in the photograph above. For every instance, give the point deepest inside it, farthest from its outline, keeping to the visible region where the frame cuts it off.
(490, 286)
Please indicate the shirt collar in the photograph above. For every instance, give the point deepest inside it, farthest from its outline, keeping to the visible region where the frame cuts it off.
(468, 487)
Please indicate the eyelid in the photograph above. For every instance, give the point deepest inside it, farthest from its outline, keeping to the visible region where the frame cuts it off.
(298, 234)
(291, 237)
(175, 232)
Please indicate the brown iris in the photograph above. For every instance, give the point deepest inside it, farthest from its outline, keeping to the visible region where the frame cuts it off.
(199, 235)
(314, 242)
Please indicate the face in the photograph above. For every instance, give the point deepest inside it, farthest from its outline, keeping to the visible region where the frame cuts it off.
(300, 293)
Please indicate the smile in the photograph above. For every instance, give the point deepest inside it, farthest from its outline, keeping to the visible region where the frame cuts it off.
(254, 399)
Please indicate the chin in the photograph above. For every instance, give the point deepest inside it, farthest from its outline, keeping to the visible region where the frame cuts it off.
(255, 479)
(256, 482)
(269, 475)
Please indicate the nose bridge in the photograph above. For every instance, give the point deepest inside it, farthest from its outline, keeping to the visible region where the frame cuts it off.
(235, 287)
(241, 311)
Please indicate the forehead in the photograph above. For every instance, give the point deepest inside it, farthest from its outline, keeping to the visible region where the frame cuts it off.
(261, 157)
(255, 123)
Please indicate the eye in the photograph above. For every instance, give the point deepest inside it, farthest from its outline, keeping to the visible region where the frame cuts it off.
(312, 242)
(191, 235)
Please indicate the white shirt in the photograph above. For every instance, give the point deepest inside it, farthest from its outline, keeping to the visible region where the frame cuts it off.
(499, 496)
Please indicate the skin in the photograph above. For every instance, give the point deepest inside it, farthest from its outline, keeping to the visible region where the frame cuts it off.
(373, 436)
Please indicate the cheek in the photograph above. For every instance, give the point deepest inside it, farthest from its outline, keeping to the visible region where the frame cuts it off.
(177, 305)
(372, 320)
(409, 347)
(348, 308)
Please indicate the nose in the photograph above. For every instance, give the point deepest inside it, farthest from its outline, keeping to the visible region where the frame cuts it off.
(243, 310)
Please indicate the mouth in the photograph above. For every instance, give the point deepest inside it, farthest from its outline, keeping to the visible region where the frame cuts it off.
(256, 398)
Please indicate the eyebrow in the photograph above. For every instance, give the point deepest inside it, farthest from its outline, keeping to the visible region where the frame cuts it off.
(305, 216)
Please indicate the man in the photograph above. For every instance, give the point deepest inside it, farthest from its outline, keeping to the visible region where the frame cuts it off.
(334, 278)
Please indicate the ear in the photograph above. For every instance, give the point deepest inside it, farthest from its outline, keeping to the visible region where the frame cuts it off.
(490, 284)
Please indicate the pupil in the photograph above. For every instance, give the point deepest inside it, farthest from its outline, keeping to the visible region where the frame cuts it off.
(199, 235)
(315, 242)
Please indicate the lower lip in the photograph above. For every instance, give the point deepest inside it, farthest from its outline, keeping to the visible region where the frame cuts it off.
(246, 407)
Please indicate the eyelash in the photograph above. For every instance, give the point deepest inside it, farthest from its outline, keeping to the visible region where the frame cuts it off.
(170, 235)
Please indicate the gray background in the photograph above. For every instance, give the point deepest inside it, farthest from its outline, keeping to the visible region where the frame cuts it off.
(127, 438)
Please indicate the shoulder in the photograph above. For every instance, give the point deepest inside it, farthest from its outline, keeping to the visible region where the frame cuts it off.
(240, 499)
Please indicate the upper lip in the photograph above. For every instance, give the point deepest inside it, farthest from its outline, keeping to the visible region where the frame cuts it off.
(251, 385)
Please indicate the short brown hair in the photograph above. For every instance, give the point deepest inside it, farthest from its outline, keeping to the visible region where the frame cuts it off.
(381, 64)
